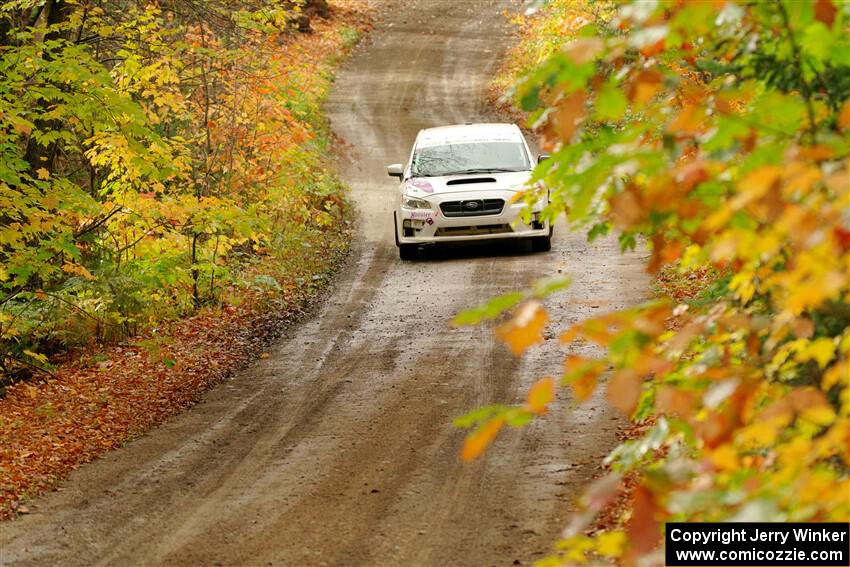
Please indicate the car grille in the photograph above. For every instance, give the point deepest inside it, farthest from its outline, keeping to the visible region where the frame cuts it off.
(472, 207)
(473, 230)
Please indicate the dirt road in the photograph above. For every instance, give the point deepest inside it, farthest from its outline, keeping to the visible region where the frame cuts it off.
(339, 449)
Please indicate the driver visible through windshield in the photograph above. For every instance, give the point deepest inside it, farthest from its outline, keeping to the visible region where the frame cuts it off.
(474, 157)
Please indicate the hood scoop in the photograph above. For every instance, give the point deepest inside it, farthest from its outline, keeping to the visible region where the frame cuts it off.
(468, 180)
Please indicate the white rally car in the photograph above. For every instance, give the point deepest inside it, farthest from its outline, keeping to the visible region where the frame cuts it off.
(460, 185)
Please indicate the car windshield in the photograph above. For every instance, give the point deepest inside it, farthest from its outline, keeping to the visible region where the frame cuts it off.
(471, 157)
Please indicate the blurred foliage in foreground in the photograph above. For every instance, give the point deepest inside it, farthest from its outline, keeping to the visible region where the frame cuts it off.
(717, 133)
(156, 157)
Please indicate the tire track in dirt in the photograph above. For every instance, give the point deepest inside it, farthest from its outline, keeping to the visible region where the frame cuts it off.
(339, 449)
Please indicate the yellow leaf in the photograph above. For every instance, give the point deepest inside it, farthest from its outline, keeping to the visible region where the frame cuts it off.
(819, 415)
(576, 549)
(756, 183)
(36, 356)
(820, 350)
(742, 284)
(525, 328)
(611, 544)
(762, 433)
(540, 394)
(724, 458)
(796, 453)
(812, 405)
(477, 441)
(78, 269)
(42, 173)
(516, 197)
(834, 375)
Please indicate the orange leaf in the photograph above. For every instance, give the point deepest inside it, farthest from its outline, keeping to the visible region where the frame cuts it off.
(573, 362)
(540, 394)
(844, 117)
(692, 174)
(477, 441)
(675, 401)
(803, 327)
(645, 86)
(757, 183)
(656, 260)
(569, 112)
(570, 334)
(624, 390)
(583, 50)
(584, 385)
(582, 374)
(525, 328)
(626, 208)
(715, 429)
(42, 173)
(806, 398)
(653, 48)
(688, 120)
(597, 331)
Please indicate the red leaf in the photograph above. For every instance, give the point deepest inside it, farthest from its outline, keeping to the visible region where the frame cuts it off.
(643, 531)
(825, 12)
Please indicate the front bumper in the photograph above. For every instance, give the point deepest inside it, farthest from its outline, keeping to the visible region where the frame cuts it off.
(424, 226)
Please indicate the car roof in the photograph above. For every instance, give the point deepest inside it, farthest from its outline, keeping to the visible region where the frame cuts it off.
(468, 133)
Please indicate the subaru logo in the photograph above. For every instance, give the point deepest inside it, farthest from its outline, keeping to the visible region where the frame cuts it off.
(471, 205)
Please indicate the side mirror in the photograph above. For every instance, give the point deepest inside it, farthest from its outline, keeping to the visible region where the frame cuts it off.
(542, 157)
(395, 170)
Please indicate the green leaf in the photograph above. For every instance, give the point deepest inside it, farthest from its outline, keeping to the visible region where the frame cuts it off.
(478, 415)
(611, 103)
(547, 286)
(489, 310)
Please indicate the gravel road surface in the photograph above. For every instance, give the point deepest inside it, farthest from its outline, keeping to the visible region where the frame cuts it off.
(338, 449)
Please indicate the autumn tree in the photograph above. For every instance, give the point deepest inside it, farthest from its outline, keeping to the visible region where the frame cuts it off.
(716, 135)
(150, 152)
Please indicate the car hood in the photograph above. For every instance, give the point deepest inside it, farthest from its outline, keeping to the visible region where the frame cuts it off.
(504, 181)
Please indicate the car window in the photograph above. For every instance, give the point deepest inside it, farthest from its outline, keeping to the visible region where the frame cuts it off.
(469, 157)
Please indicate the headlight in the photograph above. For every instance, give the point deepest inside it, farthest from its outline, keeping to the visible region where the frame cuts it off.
(409, 202)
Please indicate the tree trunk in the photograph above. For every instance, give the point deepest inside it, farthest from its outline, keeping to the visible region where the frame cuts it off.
(39, 156)
(317, 8)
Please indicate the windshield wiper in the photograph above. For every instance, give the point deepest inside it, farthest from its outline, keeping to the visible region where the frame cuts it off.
(483, 170)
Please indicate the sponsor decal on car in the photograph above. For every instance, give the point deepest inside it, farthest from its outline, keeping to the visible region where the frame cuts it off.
(420, 185)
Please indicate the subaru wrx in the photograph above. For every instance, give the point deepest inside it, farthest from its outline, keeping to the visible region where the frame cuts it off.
(461, 183)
